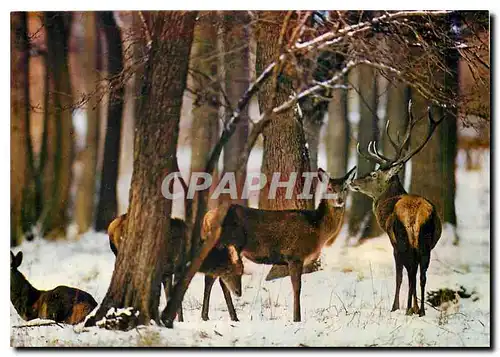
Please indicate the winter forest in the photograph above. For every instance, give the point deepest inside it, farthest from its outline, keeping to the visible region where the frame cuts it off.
(328, 171)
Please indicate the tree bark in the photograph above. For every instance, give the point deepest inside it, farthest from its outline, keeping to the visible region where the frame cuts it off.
(205, 128)
(361, 221)
(284, 148)
(136, 280)
(107, 204)
(84, 205)
(337, 135)
(236, 63)
(58, 168)
(313, 122)
(19, 110)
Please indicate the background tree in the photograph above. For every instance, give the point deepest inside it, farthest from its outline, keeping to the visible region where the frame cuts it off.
(57, 170)
(19, 130)
(236, 67)
(84, 205)
(205, 128)
(136, 280)
(361, 221)
(438, 157)
(337, 134)
(107, 204)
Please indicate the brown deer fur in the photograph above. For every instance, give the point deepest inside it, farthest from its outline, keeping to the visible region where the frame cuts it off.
(62, 304)
(412, 224)
(220, 263)
(411, 221)
(291, 237)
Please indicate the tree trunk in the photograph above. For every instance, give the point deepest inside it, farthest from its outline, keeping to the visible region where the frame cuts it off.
(361, 221)
(107, 204)
(236, 49)
(284, 148)
(19, 111)
(58, 167)
(205, 128)
(437, 159)
(313, 122)
(84, 205)
(337, 135)
(136, 280)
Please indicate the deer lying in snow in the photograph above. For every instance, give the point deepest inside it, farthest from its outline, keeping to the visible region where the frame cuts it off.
(221, 263)
(62, 304)
(411, 221)
(292, 237)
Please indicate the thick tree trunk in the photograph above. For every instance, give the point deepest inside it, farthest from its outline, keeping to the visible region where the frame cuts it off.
(362, 222)
(19, 110)
(58, 167)
(337, 135)
(136, 280)
(284, 149)
(437, 158)
(107, 204)
(205, 128)
(84, 205)
(236, 48)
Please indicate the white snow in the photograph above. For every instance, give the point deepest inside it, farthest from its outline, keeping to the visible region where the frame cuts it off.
(345, 304)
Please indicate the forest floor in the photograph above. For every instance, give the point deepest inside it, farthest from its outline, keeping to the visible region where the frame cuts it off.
(345, 304)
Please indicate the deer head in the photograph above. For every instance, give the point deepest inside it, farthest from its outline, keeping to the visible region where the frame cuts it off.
(337, 188)
(232, 271)
(376, 182)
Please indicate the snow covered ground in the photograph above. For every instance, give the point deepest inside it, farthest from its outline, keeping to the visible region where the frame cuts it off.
(345, 304)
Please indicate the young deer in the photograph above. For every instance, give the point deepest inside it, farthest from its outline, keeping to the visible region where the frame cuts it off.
(411, 221)
(292, 237)
(223, 263)
(62, 304)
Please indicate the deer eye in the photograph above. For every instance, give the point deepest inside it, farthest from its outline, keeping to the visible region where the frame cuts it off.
(374, 175)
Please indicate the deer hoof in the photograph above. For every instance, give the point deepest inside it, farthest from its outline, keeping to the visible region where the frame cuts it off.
(421, 313)
(205, 318)
(394, 308)
(234, 319)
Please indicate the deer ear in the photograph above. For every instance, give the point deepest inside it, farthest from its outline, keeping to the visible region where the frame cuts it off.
(233, 254)
(323, 176)
(16, 260)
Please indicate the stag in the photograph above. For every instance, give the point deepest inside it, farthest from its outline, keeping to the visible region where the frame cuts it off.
(411, 221)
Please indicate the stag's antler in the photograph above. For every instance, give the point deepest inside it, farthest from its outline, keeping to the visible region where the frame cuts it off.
(384, 161)
(430, 130)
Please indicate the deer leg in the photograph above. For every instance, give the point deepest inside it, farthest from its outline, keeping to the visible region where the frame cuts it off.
(424, 264)
(229, 301)
(167, 288)
(295, 269)
(412, 279)
(180, 312)
(209, 282)
(399, 279)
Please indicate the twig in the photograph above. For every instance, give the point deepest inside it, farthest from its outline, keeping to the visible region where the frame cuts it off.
(39, 325)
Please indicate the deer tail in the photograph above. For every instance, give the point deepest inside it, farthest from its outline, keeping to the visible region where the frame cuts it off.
(413, 212)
